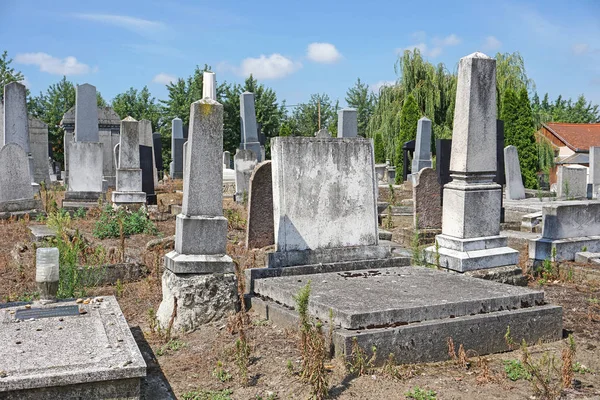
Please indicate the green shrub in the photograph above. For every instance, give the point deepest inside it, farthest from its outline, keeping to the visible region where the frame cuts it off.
(515, 370)
(134, 222)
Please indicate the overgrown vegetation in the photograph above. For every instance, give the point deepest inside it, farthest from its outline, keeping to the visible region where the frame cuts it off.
(417, 393)
(133, 222)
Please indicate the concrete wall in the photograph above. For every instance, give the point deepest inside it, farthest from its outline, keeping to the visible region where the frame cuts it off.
(324, 193)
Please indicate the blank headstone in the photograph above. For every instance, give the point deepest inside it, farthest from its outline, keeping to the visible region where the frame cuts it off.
(260, 230)
(86, 114)
(572, 181)
(347, 123)
(15, 180)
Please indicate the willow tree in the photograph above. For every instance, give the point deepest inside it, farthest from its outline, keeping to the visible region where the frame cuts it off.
(511, 74)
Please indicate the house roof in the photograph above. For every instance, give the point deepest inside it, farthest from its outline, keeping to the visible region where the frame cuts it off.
(577, 137)
(576, 158)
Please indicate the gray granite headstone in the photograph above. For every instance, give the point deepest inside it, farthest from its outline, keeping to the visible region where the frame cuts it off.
(347, 123)
(248, 125)
(595, 170)
(244, 162)
(422, 154)
(514, 181)
(260, 228)
(426, 200)
(16, 126)
(129, 174)
(572, 181)
(177, 141)
(15, 180)
(86, 114)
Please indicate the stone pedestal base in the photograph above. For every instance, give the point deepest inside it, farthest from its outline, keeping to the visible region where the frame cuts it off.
(125, 198)
(200, 235)
(198, 263)
(541, 249)
(281, 259)
(195, 299)
(471, 254)
(76, 200)
(19, 208)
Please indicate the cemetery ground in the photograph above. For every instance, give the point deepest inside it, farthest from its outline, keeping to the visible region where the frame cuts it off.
(203, 365)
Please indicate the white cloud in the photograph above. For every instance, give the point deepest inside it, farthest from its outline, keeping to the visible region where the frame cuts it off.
(375, 87)
(324, 53)
(53, 65)
(580, 49)
(164, 79)
(138, 25)
(491, 43)
(274, 66)
(450, 40)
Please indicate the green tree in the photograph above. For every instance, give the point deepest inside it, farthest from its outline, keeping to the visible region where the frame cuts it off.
(511, 74)
(519, 131)
(409, 119)
(137, 104)
(379, 149)
(360, 98)
(306, 115)
(7, 73)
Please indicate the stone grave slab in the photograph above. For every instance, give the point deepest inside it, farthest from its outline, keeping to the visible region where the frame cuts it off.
(52, 353)
(411, 311)
(41, 232)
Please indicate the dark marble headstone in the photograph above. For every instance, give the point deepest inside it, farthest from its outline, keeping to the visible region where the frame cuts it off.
(407, 152)
(177, 157)
(443, 149)
(185, 132)
(262, 139)
(156, 139)
(500, 178)
(147, 166)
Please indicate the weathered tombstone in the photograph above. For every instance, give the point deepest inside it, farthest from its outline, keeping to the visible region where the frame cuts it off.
(244, 162)
(259, 231)
(146, 156)
(38, 137)
(129, 174)
(146, 139)
(16, 192)
(347, 123)
(184, 154)
(470, 236)
(227, 159)
(514, 181)
(209, 85)
(323, 134)
(249, 127)
(422, 155)
(426, 200)
(85, 153)
(442, 165)
(572, 182)
(158, 161)
(325, 201)
(15, 123)
(198, 283)
(408, 150)
(567, 228)
(177, 141)
(594, 171)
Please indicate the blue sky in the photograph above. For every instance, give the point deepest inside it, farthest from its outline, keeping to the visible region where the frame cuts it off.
(295, 47)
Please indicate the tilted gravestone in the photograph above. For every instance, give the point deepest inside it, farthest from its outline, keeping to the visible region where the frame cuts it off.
(259, 232)
(514, 181)
(426, 200)
(244, 162)
(199, 269)
(470, 236)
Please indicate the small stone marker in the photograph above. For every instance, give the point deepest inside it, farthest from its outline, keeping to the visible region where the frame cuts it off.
(244, 162)
(227, 159)
(347, 123)
(260, 228)
(249, 127)
(177, 141)
(209, 85)
(422, 154)
(572, 182)
(514, 181)
(595, 170)
(46, 273)
(426, 200)
(470, 236)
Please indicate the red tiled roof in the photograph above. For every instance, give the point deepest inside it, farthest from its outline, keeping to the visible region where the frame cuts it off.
(578, 137)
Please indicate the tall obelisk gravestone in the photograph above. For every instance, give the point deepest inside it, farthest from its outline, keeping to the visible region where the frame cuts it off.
(249, 127)
(85, 153)
(422, 155)
(470, 236)
(129, 173)
(199, 269)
